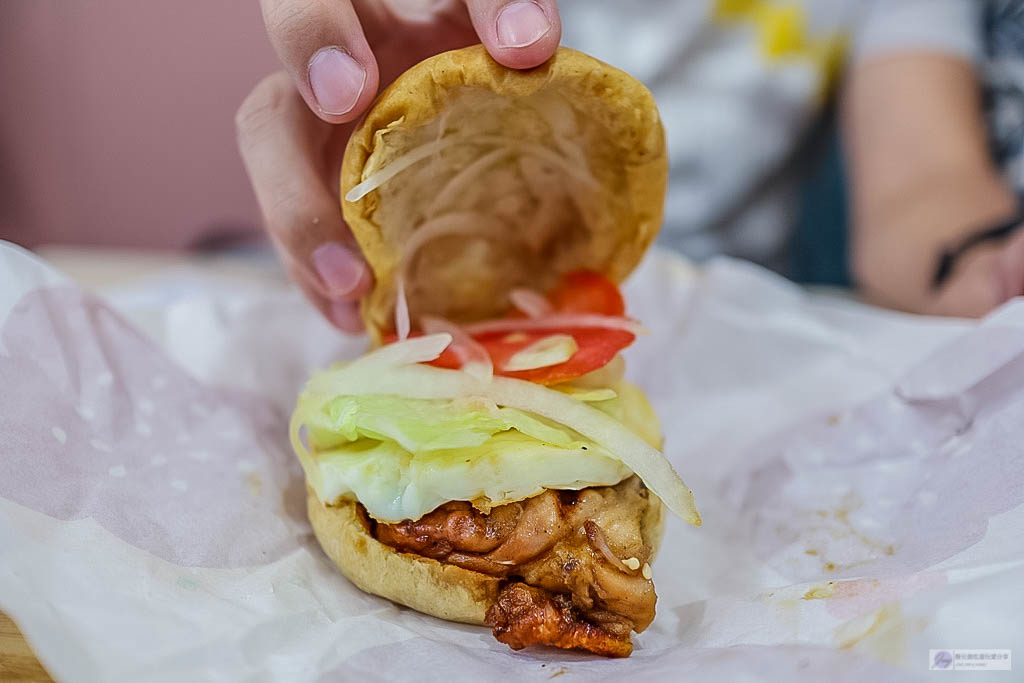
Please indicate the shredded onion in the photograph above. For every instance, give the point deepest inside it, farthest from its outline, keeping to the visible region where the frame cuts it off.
(530, 302)
(456, 223)
(585, 394)
(416, 350)
(466, 175)
(598, 543)
(471, 353)
(401, 311)
(554, 322)
(428, 149)
(578, 171)
(397, 166)
(545, 352)
(468, 223)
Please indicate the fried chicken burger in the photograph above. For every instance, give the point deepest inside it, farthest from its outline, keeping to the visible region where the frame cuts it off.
(486, 462)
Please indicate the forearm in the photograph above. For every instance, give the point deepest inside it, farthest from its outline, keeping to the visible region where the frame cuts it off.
(897, 240)
(921, 177)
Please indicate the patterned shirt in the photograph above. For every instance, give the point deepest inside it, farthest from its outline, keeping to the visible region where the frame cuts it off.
(740, 84)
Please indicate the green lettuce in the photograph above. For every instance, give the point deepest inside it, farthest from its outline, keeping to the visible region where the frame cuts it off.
(422, 425)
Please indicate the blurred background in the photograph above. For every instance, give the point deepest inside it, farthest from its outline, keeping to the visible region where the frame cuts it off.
(116, 127)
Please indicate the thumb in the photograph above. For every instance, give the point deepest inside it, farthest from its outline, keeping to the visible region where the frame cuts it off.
(519, 34)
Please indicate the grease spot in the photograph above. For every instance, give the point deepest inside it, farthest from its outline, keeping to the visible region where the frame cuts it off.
(117, 471)
(822, 592)
(179, 485)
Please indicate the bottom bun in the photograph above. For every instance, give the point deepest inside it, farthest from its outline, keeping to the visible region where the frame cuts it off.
(426, 585)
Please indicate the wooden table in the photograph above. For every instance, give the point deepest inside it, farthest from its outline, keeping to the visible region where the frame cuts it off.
(17, 662)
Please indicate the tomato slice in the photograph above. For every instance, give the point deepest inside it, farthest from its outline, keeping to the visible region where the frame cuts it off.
(585, 291)
(597, 347)
(579, 292)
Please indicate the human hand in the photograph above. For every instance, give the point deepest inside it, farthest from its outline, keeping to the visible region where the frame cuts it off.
(986, 277)
(293, 126)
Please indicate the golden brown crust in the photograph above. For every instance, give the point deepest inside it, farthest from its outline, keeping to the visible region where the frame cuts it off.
(425, 585)
(621, 137)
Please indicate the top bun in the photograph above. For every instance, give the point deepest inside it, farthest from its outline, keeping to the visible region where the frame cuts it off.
(483, 179)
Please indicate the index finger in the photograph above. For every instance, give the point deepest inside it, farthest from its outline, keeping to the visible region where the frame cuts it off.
(322, 47)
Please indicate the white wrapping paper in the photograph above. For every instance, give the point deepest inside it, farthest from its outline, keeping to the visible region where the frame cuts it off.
(860, 475)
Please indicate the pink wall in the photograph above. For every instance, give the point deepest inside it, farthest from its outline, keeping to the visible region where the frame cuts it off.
(116, 119)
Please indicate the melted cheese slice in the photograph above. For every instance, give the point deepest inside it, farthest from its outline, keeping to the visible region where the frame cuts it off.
(394, 484)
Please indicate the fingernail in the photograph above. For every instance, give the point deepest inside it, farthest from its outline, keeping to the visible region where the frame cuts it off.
(339, 268)
(521, 24)
(345, 316)
(337, 80)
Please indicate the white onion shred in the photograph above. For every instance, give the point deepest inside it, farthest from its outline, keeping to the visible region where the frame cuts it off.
(471, 353)
(554, 322)
(578, 171)
(530, 302)
(416, 350)
(543, 353)
(425, 151)
(469, 174)
(401, 311)
(469, 223)
(397, 166)
(598, 542)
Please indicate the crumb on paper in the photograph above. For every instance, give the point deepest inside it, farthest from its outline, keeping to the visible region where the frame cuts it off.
(561, 670)
(837, 523)
(822, 592)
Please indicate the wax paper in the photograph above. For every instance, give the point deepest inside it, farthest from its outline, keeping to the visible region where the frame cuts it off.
(860, 474)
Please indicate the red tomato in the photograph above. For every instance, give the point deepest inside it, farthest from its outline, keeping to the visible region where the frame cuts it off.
(579, 292)
(585, 291)
(597, 347)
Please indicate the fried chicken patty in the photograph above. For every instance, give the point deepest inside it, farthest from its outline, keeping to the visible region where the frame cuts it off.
(576, 563)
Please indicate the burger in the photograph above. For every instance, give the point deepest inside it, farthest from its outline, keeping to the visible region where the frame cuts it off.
(486, 462)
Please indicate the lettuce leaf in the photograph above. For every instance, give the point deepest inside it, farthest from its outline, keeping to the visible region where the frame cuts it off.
(421, 425)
